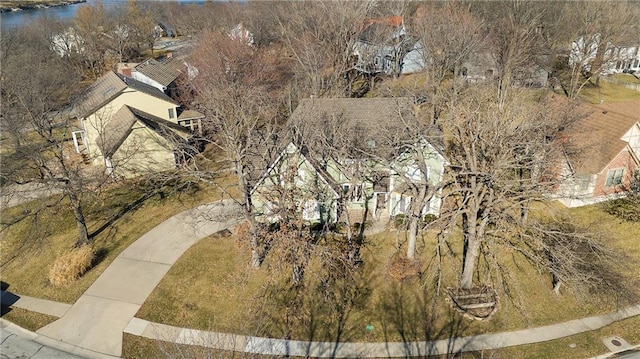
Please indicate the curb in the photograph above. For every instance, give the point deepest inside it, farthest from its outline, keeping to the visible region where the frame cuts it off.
(52, 343)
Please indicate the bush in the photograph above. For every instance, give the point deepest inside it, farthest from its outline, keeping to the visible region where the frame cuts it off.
(71, 266)
(428, 218)
(399, 220)
(627, 208)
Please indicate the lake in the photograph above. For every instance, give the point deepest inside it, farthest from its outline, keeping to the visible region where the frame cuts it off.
(13, 19)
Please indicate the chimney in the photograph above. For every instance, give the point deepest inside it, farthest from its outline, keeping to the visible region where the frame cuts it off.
(126, 71)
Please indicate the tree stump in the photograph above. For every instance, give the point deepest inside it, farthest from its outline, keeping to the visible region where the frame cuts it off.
(478, 303)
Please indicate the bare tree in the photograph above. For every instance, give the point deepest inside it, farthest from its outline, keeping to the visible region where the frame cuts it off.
(498, 155)
(583, 39)
(319, 36)
(236, 88)
(35, 104)
(448, 34)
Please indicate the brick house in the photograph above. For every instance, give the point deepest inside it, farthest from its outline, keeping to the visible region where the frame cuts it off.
(606, 161)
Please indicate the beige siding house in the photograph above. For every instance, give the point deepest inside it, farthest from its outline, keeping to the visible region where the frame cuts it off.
(128, 126)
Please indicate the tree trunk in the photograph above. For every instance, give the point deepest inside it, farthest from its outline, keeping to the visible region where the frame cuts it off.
(81, 223)
(414, 221)
(471, 249)
(471, 256)
(247, 210)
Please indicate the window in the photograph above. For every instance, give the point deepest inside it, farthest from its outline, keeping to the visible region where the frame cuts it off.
(193, 125)
(172, 113)
(614, 177)
(582, 182)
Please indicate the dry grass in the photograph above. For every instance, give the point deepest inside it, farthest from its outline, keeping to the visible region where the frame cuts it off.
(27, 319)
(608, 92)
(70, 266)
(56, 233)
(211, 288)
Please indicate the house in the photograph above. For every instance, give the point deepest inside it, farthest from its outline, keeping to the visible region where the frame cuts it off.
(591, 54)
(128, 127)
(294, 185)
(606, 162)
(161, 75)
(382, 45)
(240, 33)
(364, 181)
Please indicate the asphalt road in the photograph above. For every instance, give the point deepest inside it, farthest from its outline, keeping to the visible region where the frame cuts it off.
(16, 347)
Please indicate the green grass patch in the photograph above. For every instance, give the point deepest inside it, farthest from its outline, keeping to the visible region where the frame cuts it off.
(579, 346)
(626, 78)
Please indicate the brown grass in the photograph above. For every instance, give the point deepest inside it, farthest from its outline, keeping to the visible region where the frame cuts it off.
(211, 288)
(56, 232)
(70, 266)
(27, 319)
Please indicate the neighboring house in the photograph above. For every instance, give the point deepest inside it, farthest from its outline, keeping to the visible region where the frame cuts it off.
(129, 127)
(605, 164)
(240, 33)
(67, 43)
(161, 75)
(353, 184)
(589, 53)
(382, 45)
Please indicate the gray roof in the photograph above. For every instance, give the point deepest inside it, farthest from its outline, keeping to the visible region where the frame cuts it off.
(116, 131)
(120, 126)
(162, 73)
(190, 115)
(369, 112)
(101, 92)
(378, 125)
(110, 86)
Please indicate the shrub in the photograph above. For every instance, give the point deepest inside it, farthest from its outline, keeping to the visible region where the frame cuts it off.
(428, 218)
(627, 208)
(71, 266)
(400, 220)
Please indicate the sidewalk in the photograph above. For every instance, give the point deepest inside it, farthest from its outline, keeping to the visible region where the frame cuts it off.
(278, 347)
(96, 321)
(93, 326)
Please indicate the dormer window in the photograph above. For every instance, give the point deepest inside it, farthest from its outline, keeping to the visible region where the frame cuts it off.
(172, 113)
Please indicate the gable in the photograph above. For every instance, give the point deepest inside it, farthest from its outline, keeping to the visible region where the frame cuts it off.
(122, 123)
(159, 72)
(305, 170)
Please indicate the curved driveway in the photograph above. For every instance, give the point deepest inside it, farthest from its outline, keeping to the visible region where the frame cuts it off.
(97, 320)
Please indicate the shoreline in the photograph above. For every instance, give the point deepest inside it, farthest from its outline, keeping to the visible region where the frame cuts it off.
(21, 5)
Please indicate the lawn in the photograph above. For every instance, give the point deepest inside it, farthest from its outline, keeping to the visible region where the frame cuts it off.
(607, 92)
(40, 241)
(212, 288)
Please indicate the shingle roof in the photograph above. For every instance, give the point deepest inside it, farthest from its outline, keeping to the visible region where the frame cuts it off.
(361, 121)
(162, 73)
(148, 89)
(101, 92)
(116, 131)
(108, 87)
(190, 115)
(600, 135)
(368, 112)
(119, 127)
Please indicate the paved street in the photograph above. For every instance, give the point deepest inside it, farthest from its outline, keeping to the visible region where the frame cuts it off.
(18, 346)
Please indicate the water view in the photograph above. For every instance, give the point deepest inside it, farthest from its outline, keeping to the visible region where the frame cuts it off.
(13, 19)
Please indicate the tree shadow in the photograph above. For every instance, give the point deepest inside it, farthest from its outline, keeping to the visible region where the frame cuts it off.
(126, 209)
(7, 299)
(411, 312)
